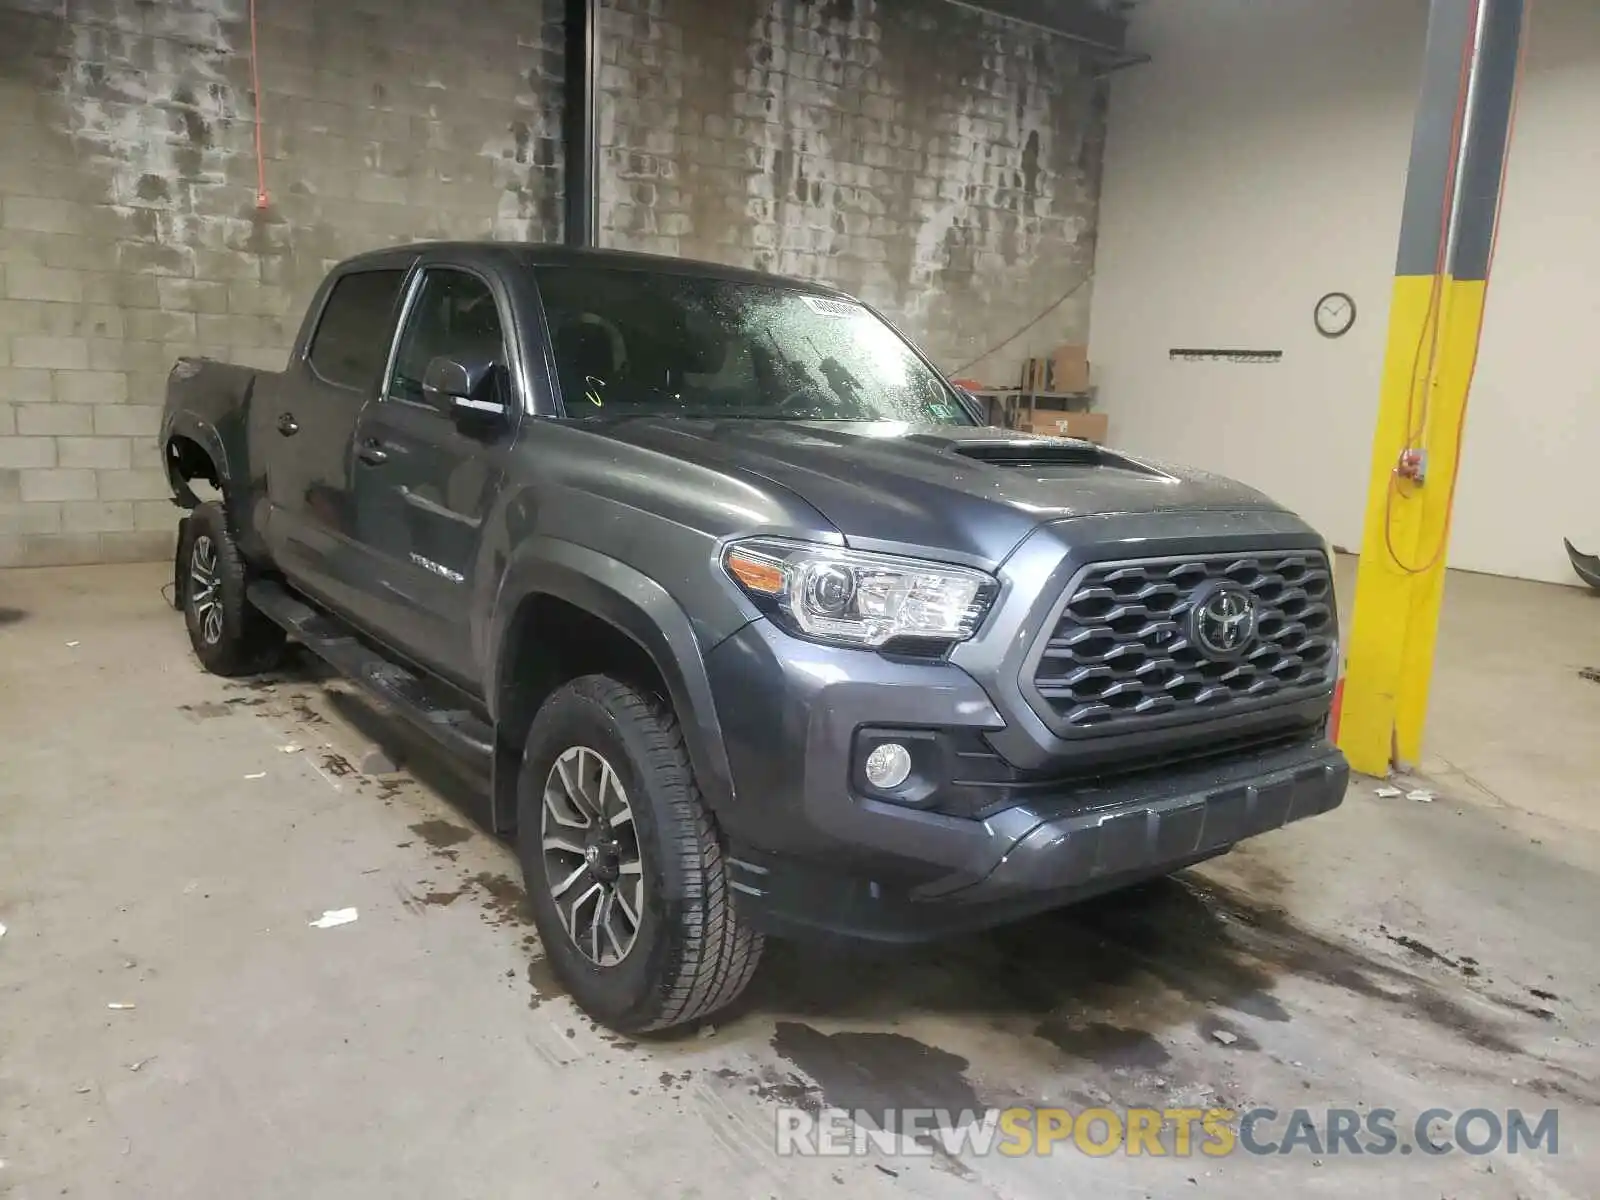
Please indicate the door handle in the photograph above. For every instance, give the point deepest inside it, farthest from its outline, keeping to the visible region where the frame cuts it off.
(287, 425)
(371, 451)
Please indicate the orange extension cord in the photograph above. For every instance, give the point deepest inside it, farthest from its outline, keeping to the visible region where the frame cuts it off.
(262, 199)
(1415, 433)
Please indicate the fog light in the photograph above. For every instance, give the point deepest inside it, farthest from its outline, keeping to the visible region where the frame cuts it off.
(888, 766)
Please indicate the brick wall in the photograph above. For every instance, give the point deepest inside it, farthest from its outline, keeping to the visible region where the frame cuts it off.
(130, 233)
(942, 164)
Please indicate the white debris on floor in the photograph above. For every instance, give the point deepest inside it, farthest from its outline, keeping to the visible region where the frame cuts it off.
(334, 917)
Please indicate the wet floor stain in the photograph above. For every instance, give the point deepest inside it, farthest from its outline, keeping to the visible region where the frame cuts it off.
(1264, 1006)
(337, 765)
(612, 1037)
(1174, 950)
(542, 979)
(1107, 1045)
(442, 899)
(300, 706)
(1466, 965)
(785, 1088)
(1554, 1089)
(877, 1072)
(10, 616)
(440, 834)
(504, 901)
(1266, 883)
(209, 710)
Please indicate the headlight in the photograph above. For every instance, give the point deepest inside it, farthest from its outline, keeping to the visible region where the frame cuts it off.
(858, 599)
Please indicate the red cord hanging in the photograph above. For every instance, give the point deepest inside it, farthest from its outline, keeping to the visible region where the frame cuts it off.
(262, 199)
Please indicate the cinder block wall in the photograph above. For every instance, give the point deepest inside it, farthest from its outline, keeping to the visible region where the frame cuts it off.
(130, 232)
(940, 163)
(943, 164)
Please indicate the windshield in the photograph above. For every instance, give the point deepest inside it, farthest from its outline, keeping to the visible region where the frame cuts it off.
(630, 341)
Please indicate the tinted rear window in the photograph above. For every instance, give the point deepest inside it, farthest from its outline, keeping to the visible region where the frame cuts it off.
(352, 339)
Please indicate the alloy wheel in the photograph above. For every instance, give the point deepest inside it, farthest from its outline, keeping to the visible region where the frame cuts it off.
(205, 590)
(591, 855)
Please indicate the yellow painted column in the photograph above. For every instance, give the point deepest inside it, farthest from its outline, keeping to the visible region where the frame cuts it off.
(1447, 240)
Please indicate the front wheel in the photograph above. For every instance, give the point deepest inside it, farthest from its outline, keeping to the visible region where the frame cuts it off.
(624, 870)
(228, 635)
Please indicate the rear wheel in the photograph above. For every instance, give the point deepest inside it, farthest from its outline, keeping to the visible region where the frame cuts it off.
(623, 866)
(228, 635)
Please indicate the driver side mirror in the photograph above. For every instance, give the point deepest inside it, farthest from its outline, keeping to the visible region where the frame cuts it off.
(463, 389)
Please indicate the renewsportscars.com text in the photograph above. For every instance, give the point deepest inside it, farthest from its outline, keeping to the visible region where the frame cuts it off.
(1165, 1132)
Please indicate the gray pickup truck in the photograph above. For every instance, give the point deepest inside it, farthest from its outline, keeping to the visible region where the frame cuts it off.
(747, 621)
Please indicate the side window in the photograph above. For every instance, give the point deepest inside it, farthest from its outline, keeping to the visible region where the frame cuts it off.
(454, 316)
(352, 338)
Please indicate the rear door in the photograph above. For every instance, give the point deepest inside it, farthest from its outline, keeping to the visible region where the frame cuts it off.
(424, 481)
(310, 429)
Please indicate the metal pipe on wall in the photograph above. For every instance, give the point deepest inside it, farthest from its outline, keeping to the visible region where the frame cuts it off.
(581, 123)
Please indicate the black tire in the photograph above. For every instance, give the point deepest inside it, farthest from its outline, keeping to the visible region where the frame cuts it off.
(228, 635)
(691, 954)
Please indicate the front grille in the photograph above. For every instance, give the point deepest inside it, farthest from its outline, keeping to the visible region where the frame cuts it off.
(1121, 654)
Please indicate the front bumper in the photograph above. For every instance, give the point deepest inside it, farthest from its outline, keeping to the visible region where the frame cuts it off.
(812, 852)
(1150, 829)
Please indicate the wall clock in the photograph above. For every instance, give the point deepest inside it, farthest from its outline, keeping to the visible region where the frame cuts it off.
(1335, 314)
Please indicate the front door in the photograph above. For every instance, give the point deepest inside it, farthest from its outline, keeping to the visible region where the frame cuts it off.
(423, 483)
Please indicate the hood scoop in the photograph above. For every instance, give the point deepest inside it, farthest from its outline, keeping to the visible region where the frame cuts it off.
(1033, 452)
(1043, 454)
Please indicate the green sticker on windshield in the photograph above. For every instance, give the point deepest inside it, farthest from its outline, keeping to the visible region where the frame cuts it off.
(944, 412)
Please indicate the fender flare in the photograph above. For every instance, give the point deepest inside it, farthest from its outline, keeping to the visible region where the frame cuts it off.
(643, 611)
(203, 434)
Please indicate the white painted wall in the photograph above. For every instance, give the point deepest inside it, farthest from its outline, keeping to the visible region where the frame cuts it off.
(1258, 163)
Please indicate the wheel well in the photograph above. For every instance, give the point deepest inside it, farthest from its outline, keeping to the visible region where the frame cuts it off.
(554, 641)
(187, 460)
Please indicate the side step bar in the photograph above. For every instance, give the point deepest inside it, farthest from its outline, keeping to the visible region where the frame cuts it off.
(456, 730)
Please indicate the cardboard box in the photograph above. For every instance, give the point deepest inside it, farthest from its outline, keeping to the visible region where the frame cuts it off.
(1089, 426)
(1069, 369)
(1035, 375)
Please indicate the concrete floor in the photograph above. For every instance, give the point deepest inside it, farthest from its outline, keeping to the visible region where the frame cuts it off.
(165, 836)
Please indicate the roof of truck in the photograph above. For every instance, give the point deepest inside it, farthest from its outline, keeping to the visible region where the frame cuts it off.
(535, 254)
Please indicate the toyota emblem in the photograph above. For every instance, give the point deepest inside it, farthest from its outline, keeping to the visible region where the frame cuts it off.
(1223, 622)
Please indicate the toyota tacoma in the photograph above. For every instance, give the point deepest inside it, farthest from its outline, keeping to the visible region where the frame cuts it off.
(748, 623)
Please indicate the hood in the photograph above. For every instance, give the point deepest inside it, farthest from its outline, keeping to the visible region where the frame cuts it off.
(971, 491)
